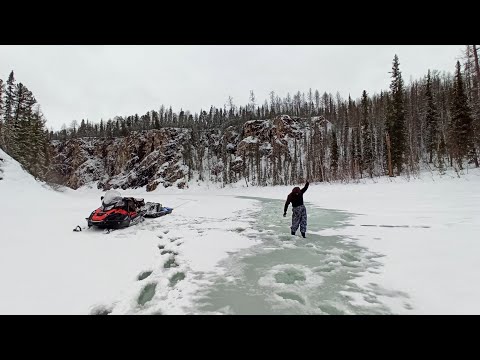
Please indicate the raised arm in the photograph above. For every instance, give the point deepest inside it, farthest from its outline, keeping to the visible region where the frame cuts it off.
(286, 205)
(305, 188)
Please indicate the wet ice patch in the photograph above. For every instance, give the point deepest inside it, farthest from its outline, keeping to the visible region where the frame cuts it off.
(289, 245)
(146, 294)
(349, 257)
(290, 284)
(289, 276)
(227, 310)
(288, 237)
(101, 310)
(143, 275)
(285, 275)
(291, 296)
(328, 268)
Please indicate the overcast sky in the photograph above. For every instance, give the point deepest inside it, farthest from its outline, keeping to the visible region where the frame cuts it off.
(94, 82)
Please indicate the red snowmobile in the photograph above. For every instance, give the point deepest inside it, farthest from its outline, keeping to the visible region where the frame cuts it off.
(118, 212)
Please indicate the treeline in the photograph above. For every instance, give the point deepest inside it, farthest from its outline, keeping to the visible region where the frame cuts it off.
(431, 122)
(22, 127)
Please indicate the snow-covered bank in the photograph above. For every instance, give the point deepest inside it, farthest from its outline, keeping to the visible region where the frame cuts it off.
(46, 268)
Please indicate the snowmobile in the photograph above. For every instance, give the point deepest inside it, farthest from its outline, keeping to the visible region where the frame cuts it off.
(119, 212)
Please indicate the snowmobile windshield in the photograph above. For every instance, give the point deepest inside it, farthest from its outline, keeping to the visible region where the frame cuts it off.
(117, 204)
(111, 198)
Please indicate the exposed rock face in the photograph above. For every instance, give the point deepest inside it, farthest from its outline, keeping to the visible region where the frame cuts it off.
(286, 126)
(146, 158)
(168, 156)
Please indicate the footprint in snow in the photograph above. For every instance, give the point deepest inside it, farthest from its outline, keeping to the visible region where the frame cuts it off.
(143, 275)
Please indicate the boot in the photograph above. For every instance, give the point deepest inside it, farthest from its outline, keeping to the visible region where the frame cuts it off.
(303, 235)
(292, 232)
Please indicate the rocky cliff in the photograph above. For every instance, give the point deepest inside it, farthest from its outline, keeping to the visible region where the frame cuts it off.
(175, 156)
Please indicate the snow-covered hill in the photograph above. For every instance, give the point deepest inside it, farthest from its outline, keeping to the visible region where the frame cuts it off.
(175, 156)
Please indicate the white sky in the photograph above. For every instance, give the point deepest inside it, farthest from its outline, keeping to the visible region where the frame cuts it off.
(94, 82)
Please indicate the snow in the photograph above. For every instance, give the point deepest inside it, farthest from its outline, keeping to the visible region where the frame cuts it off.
(266, 146)
(46, 268)
(250, 140)
(422, 232)
(111, 196)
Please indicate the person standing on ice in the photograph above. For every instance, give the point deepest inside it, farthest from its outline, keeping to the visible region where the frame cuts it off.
(299, 215)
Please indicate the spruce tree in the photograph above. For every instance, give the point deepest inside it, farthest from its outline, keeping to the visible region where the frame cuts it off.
(21, 123)
(2, 106)
(396, 118)
(431, 120)
(367, 137)
(37, 153)
(101, 129)
(8, 111)
(334, 154)
(442, 150)
(358, 153)
(353, 152)
(461, 130)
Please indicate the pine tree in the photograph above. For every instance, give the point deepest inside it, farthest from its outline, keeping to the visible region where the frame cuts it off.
(396, 118)
(345, 140)
(2, 106)
(101, 129)
(156, 120)
(21, 123)
(461, 130)
(334, 154)
(442, 149)
(36, 158)
(388, 131)
(358, 153)
(367, 137)
(8, 111)
(472, 80)
(431, 120)
(225, 177)
(124, 131)
(353, 151)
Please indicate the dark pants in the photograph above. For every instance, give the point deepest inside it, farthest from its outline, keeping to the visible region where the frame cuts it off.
(299, 218)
